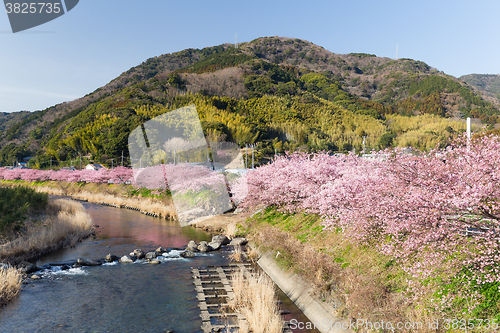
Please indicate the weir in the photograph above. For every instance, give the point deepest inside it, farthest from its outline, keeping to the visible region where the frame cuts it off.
(213, 289)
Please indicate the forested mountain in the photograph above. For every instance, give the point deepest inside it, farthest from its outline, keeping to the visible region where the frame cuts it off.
(284, 93)
(487, 83)
(7, 119)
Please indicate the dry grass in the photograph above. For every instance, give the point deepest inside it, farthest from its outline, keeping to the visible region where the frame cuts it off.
(252, 253)
(231, 229)
(10, 284)
(66, 224)
(255, 299)
(237, 254)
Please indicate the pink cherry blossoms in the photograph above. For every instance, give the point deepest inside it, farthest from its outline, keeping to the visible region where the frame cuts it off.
(435, 212)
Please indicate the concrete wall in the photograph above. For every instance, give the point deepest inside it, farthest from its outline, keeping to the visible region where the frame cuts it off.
(302, 295)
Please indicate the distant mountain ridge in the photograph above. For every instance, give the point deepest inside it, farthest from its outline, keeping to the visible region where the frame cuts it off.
(486, 83)
(236, 90)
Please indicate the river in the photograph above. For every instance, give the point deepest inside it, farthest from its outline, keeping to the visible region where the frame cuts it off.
(137, 297)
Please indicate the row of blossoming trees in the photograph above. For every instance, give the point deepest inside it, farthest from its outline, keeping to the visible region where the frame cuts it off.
(180, 177)
(436, 213)
(119, 174)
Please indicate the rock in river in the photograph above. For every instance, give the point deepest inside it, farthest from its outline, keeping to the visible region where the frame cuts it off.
(27, 267)
(223, 240)
(150, 255)
(111, 257)
(214, 245)
(87, 262)
(139, 253)
(187, 254)
(160, 250)
(238, 241)
(203, 247)
(126, 260)
(192, 246)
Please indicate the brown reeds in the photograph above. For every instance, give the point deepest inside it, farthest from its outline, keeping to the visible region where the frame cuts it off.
(255, 299)
(237, 254)
(65, 224)
(10, 284)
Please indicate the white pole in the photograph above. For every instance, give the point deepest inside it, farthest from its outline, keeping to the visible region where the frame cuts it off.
(468, 128)
(253, 150)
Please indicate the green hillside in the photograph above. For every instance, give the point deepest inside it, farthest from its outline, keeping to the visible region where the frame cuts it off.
(489, 83)
(283, 93)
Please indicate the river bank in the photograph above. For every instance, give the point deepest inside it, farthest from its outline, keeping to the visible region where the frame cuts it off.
(33, 225)
(148, 202)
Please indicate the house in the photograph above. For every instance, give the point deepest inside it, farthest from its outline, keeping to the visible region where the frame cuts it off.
(95, 167)
(71, 168)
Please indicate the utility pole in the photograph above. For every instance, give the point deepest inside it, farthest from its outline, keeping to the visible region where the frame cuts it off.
(80, 162)
(253, 150)
(111, 164)
(122, 157)
(468, 131)
(364, 138)
(246, 156)
(51, 163)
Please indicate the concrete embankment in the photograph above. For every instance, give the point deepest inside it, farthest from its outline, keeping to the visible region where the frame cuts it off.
(301, 293)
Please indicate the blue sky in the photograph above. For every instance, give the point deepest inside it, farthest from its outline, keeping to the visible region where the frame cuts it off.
(99, 39)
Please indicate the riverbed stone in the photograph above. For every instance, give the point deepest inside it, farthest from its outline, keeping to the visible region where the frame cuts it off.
(222, 239)
(238, 241)
(192, 246)
(139, 253)
(160, 250)
(87, 262)
(187, 254)
(126, 260)
(150, 255)
(27, 267)
(35, 277)
(214, 245)
(110, 257)
(203, 247)
(154, 261)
